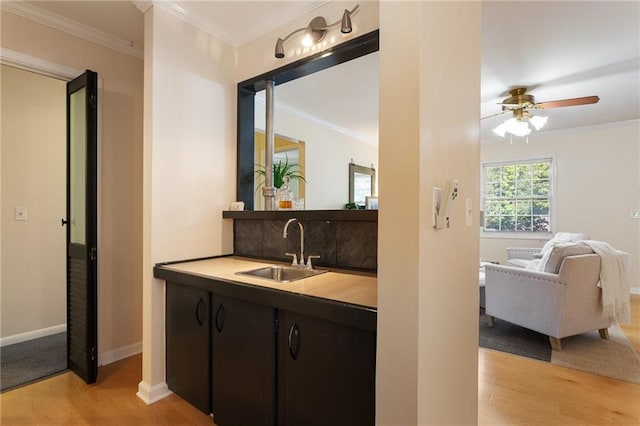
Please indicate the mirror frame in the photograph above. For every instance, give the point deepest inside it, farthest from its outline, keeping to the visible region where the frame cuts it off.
(352, 49)
(353, 169)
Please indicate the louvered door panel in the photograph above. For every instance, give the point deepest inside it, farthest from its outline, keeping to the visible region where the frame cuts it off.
(77, 328)
(82, 225)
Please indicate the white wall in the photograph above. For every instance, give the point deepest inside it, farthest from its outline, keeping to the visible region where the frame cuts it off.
(120, 186)
(189, 163)
(33, 142)
(328, 153)
(597, 175)
(427, 279)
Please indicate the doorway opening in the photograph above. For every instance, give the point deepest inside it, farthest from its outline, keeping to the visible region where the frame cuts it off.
(33, 285)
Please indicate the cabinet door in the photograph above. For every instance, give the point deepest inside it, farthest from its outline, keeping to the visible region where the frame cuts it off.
(326, 372)
(243, 363)
(187, 330)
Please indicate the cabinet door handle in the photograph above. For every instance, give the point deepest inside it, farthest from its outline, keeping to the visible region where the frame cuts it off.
(294, 340)
(220, 318)
(201, 311)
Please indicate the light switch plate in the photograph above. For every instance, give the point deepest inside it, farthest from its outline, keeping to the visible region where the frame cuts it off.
(21, 213)
(436, 204)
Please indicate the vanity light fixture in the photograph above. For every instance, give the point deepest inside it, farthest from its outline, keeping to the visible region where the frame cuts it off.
(316, 30)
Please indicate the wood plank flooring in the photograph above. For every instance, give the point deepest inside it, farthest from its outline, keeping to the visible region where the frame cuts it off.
(516, 390)
(512, 390)
(66, 400)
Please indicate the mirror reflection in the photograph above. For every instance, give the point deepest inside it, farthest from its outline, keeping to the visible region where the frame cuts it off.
(362, 184)
(288, 159)
(323, 121)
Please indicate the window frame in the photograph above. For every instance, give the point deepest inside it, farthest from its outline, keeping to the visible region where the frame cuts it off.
(552, 199)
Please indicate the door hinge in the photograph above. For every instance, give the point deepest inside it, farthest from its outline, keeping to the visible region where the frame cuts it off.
(276, 324)
(92, 101)
(93, 353)
(93, 253)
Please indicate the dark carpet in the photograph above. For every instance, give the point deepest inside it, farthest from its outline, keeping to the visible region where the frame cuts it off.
(511, 338)
(25, 362)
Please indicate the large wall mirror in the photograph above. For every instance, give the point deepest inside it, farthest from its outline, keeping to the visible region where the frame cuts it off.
(313, 97)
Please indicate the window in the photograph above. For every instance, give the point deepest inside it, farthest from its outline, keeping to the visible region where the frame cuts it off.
(517, 196)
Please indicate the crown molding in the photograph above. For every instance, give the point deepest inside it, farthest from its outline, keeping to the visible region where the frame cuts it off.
(279, 17)
(39, 66)
(72, 27)
(142, 5)
(572, 130)
(590, 128)
(316, 120)
(184, 11)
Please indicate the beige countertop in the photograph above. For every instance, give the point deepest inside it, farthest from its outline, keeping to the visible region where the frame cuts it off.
(340, 285)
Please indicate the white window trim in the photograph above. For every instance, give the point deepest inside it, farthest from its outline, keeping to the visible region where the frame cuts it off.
(543, 236)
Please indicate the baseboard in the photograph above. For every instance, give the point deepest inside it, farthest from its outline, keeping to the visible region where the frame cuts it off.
(151, 394)
(30, 335)
(114, 355)
(635, 290)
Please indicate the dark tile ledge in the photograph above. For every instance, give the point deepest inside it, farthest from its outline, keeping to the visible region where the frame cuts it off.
(343, 238)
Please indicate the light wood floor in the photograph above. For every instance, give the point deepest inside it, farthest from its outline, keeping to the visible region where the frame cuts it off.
(512, 390)
(515, 390)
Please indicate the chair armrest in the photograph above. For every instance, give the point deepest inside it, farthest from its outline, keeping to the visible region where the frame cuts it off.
(521, 274)
(522, 252)
(529, 298)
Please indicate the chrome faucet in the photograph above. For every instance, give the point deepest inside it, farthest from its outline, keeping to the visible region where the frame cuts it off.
(295, 262)
(298, 263)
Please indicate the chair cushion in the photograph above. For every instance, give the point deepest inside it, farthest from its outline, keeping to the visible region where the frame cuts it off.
(552, 259)
(520, 263)
(562, 237)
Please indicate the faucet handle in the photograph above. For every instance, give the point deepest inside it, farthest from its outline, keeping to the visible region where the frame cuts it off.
(294, 260)
(311, 256)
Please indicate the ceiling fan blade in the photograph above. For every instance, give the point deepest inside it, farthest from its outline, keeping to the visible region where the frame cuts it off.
(493, 115)
(568, 102)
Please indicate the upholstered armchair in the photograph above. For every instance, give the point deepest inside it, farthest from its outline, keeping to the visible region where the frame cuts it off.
(563, 299)
(521, 256)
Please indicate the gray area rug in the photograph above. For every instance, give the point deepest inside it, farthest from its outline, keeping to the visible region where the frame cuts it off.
(513, 339)
(614, 358)
(25, 362)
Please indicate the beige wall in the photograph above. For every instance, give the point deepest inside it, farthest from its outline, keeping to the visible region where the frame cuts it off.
(33, 144)
(597, 174)
(120, 187)
(427, 278)
(189, 163)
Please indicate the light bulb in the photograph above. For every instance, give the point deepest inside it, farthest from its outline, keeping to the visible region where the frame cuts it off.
(500, 130)
(538, 122)
(307, 39)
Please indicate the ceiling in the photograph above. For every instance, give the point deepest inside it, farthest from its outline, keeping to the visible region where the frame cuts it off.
(557, 49)
(562, 50)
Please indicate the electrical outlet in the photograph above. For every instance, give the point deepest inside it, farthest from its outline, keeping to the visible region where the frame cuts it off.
(21, 213)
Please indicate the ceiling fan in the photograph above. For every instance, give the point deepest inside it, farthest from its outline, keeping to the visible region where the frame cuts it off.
(520, 103)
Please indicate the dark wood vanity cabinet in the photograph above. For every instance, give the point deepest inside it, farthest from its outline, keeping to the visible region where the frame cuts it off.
(326, 372)
(243, 362)
(252, 359)
(187, 344)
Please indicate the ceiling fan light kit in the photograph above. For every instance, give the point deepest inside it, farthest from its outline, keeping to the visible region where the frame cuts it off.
(520, 103)
(316, 31)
